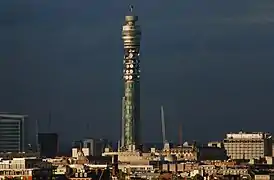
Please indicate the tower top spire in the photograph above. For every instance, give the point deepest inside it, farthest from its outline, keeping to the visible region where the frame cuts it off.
(131, 8)
(131, 17)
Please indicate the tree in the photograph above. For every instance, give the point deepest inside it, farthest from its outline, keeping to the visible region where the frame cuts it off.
(198, 177)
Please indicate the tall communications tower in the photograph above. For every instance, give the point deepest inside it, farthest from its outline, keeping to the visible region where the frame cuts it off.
(131, 36)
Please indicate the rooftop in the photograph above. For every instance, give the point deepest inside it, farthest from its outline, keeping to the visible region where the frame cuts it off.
(12, 115)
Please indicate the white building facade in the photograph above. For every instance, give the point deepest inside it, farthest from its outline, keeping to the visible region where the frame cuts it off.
(245, 145)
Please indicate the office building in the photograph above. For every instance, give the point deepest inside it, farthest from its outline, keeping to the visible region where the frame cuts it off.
(76, 152)
(245, 145)
(25, 168)
(215, 144)
(13, 134)
(131, 35)
(96, 146)
(48, 144)
(77, 144)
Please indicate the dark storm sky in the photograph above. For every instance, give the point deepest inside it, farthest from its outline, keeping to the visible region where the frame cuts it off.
(210, 63)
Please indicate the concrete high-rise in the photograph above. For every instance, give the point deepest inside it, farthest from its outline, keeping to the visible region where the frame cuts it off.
(131, 35)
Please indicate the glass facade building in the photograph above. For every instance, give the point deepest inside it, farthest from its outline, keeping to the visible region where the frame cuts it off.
(12, 132)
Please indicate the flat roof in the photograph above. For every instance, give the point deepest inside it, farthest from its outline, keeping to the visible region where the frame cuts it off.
(12, 115)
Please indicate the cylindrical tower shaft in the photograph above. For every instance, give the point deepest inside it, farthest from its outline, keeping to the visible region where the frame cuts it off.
(131, 36)
(123, 124)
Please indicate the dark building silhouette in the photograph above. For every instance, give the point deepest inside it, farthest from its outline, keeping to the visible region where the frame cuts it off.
(96, 146)
(48, 144)
(77, 144)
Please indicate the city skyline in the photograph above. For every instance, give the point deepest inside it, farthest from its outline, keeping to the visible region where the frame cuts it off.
(209, 64)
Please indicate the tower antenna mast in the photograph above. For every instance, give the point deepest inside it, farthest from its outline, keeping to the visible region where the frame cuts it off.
(165, 141)
(163, 125)
(180, 135)
(131, 8)
(49, 122)
(37, 136)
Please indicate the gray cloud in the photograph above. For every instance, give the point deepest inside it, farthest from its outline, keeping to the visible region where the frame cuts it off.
(209, 63)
